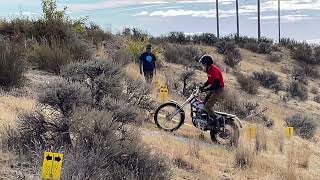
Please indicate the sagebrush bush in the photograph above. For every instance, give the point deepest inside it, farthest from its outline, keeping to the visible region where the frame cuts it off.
(298, 89)
(123, 57)
(303, 52)
(314, 90)
(316, 54)
(304, 126)
(225, 47)
(50, 57)
(12, 63)
(96, 34)
(101, 76)
(264, 48)
(232, 103)
(299, 74)
(247, 83)
(94, 146)
(232, 59)
(275, 57)
(317, 98)
(65, 96)
(268, 79)
(182, 54)
(178, 37)
(205, 38)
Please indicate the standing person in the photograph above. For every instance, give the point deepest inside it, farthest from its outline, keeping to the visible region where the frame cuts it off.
(148, 64)
(214, 86)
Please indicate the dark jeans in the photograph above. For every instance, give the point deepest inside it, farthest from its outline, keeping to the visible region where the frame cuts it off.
(148, 75)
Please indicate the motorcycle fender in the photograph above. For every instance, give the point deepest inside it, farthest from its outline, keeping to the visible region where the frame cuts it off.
(238, 121)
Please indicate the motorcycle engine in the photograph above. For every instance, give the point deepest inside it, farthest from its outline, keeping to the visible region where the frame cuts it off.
(201, 123)
(200, 120)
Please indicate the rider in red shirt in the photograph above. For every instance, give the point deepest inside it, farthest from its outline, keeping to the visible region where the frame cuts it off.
(214, 85)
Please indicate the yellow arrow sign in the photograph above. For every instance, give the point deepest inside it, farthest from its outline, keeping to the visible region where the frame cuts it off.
(52, 166)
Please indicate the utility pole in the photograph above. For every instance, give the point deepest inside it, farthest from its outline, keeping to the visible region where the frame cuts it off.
(237, 10)
(259, 28)
(217, 15)
(279, 21)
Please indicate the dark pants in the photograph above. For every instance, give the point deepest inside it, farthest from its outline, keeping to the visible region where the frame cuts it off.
(210, 100)
(148, 75)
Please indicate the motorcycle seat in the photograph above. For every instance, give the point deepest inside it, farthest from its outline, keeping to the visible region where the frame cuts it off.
(225, 114)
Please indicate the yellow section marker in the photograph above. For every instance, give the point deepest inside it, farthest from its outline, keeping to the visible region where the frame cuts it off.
(52, 166)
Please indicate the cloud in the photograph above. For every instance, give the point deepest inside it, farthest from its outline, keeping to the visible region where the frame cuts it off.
(183, 12)
(110, 4)
(292, 5)
(143, 13)
(286, 18)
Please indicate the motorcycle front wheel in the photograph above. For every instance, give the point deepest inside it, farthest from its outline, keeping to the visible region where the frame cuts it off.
(169, 117)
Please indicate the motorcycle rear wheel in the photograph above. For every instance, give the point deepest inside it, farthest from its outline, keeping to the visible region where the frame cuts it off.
(230, 137)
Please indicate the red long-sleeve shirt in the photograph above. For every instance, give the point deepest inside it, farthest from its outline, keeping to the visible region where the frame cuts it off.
(214, 76)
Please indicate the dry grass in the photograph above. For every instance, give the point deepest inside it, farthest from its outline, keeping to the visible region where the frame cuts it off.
(11, 106)
(261, 140)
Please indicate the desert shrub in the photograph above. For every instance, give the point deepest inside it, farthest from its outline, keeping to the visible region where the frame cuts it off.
(268, 79)
(96, 34)
(178, 37)
(100, 148)
(205, 38)
(225, 47)
(186, 78)
(16, 26)
(50, 57)
(314, 90)
(54, 54)
(303, 52)
(317, 98)
(275, 57)
(264, 48)
(232, 59)
(288, 43)
(252, 46)
(247, 83)
(303, 125)
(316, 54)
(65, 96)
(309, 70)
(12, 63)
(138, 93)
(122, 111)
(299, 74)
(181, 54)
(232, 103)
(123, 57)
(298, 89)
(232, 54)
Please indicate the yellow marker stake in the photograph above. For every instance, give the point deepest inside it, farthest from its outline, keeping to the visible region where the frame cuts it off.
(164, 93)
(52, 166)
(251, 132)
(289, 132)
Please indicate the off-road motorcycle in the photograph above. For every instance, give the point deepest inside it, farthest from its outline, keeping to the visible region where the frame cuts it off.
(170, 117)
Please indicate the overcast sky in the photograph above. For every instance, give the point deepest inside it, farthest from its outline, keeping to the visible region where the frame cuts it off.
(300, 18)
